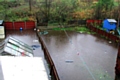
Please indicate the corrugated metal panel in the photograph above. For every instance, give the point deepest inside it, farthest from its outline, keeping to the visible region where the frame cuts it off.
(21, 43)
(22, 50)
(11, 51)
(15, 47)
(20, 46)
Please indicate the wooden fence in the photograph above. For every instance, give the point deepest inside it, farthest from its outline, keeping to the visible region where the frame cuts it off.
(103, 33)
(117, 68)
(91, 21)
(53, 71)
(108, 36)
(77, 22)
(20, 24)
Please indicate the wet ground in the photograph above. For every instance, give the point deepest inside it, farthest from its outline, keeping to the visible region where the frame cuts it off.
(76, 56)
(81, 56)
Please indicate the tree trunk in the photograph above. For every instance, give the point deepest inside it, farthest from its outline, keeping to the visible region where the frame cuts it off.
(30, 6)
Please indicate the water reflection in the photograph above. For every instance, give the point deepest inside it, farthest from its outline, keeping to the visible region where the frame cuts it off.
(83, 50)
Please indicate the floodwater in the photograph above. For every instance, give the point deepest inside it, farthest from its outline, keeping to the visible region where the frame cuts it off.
(76, 56)
(81, 56)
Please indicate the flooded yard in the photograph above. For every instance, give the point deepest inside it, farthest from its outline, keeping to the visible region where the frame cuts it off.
(76, 56)
(81, 56)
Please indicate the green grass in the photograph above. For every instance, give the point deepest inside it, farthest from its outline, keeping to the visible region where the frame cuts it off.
(53, 24)
(81, 29)
(62, 29)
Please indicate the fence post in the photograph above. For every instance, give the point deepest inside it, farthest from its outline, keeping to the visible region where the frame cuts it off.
(35, 23)
(51, 70)
(25, 24)
(13, 25)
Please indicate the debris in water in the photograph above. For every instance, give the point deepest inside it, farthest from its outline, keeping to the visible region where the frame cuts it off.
(81, 32)
(100, 77)
(44, 32)
(38, 30)
(78, 53)
(110, 41)
(69, 61)
(104, 75)
(35, 46)
(70, 41)
(35, 40)
(34, 29)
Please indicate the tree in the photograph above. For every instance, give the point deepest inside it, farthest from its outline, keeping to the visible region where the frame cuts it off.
(44, 11)
(118, 14)
(30, 7)
(102, 7)
(56, 10)
(60, 10)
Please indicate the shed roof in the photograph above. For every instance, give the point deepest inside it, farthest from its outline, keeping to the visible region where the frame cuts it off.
(112, 20)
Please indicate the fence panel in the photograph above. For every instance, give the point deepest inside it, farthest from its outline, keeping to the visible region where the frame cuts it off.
(8, 25)
(19, 25)
(90, 21)
(101, 32)
(30, 25)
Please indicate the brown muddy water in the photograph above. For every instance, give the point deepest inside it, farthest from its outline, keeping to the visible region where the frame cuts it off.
(81, 56)
(76, 56)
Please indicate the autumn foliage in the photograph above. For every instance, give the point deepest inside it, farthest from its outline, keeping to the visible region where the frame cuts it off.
(84, 14)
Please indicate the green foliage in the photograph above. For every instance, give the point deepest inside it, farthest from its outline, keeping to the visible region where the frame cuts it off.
(2, 8)
(81, 29)
(61, 9)
(107, 5)
(62, 29)
(58, 11)
(103, 8)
